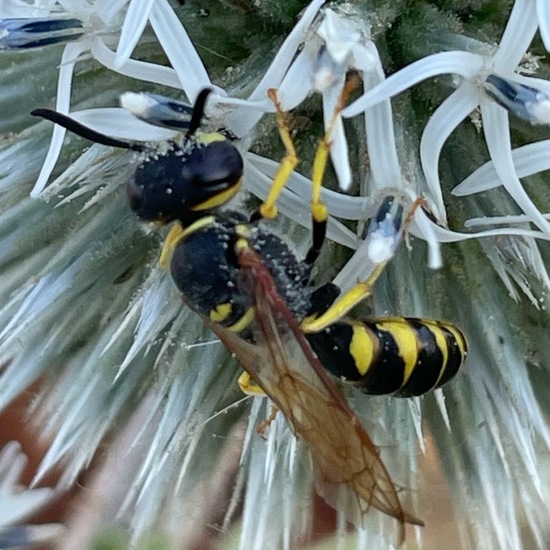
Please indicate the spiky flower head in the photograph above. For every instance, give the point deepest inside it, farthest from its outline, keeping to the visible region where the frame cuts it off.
(87, 310)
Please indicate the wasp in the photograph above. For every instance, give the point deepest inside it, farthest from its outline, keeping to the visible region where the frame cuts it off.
(294, 341)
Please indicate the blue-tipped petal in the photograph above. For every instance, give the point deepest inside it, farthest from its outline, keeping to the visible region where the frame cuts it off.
(21, 33)
(158, 110)
(527, 102)
(385, 230)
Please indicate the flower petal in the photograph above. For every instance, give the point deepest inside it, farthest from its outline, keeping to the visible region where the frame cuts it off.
(497, 136)
(381, 146)
(438, 128)
(120, 123)
(132, 29)
(338, 142)
(141, 70)
(517, 36)
(285, 54)
(242, 120)
(543, 16)
(180, 50)
(528, 160)
(465, 64)
(68, 60)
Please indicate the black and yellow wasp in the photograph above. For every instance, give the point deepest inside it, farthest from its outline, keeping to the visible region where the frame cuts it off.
(254, 293)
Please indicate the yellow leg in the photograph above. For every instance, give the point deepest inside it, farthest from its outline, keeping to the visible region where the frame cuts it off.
(357, 293)
(318, 209)
(248, 386)
(268, 209)
(319, 212)
(343, 305)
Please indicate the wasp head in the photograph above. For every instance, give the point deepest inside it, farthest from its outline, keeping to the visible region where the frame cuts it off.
(185, 181)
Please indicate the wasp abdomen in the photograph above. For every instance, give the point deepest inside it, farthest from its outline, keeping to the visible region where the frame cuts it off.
(400, 356)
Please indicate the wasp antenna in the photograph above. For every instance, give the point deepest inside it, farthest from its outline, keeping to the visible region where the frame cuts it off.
(83, 131)
(198, 111)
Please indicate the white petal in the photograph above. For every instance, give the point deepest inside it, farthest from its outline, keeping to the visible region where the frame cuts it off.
(424, 228)
(297, 82)
(68, 60)
(465, 64)
(132, 29)
(338, 143)
(445, 235)
(242, 120)
(528, 160)
(339, 37)
(543, 15)
(497, 136)
(180, 50)
(276, 71)
(384, 163)
(438, 128)
(120, 123)
(499, 220)
(107, 10)
(148, 72)
(519, 32)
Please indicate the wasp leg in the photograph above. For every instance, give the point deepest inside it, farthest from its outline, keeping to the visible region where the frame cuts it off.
(359, 292)
(267, 422)
(248, 386)
(319, 212)
(268, 209)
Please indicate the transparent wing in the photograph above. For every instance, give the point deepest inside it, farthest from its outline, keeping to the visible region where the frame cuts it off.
(283, 364)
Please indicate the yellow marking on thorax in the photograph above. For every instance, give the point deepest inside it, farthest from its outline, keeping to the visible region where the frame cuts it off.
(244, 233)
(407, 343)
(219, 199)
(210, 137)
(221, 312)
(176, 234)
(363, 348)
(243, 322)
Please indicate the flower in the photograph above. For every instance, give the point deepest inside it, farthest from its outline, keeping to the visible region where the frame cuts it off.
(86, 308)
(484, 76)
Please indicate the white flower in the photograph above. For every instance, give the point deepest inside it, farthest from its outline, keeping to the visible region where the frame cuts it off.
(474, 69)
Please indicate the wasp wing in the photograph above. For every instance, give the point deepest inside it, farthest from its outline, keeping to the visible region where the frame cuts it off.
(283, 364)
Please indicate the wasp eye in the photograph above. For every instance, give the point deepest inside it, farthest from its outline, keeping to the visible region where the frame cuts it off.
(135, 195)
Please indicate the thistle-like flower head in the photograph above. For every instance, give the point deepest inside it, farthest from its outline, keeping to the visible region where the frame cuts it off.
(86, 309)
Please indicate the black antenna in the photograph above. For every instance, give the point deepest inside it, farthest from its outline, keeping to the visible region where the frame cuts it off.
(198, 111)
(85, 132)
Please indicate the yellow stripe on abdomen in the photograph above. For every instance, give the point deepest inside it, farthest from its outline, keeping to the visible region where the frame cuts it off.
(406, 341)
